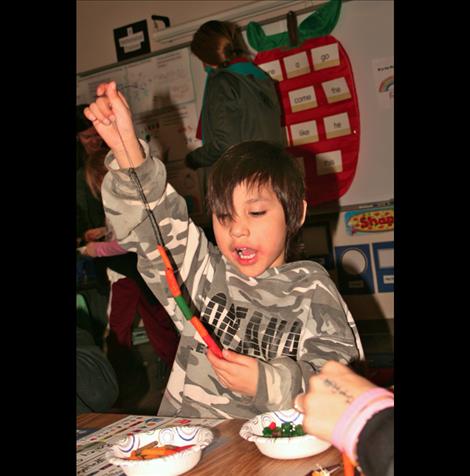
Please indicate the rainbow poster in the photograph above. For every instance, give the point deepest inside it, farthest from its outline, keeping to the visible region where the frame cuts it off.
(384, 81)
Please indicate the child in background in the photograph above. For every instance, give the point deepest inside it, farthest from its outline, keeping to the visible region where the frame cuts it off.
(88, 140)
(126, 297)
(90, 213)
(277, 322)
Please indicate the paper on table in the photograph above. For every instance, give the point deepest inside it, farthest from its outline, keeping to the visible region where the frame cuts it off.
(91, 458)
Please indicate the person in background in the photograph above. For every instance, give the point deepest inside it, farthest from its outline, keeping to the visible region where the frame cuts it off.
(277, 321)
(352, 413)
(90, 212)
(240, 101)
(88, 140)
(96, 384)
(126, 297)
(116, 277)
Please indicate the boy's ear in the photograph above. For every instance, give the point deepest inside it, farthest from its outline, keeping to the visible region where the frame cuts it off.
(304, 213)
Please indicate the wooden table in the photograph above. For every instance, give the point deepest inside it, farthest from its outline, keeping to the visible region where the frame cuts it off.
(229, 454)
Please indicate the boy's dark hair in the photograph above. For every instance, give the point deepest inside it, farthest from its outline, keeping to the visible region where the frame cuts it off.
(258, 163)
(218, 42)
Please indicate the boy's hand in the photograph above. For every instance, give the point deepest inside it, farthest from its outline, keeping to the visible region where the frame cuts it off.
(237, 372)
(112, 120)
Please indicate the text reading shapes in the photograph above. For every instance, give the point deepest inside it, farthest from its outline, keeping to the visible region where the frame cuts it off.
(354, 268)
(384, 265)
(377, 220)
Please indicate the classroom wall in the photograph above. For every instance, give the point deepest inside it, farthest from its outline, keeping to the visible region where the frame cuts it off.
(356, 246)
(360, 260)
(95, 48)
(96, 20)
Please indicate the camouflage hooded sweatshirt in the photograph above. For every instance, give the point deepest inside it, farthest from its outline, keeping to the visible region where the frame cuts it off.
(291, 318)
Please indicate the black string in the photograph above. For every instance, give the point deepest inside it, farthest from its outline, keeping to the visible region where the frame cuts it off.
(135, 179)
(153, 221)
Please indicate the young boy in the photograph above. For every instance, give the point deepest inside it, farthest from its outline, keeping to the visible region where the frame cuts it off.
(277, 322)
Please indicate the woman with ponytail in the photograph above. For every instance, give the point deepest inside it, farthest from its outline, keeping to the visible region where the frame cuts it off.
(240, 100)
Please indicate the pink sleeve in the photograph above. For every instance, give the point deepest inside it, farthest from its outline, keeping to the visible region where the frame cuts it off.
(108, 248)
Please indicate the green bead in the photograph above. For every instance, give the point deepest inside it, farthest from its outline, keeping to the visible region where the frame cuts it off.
(267, 432)
(299, 430)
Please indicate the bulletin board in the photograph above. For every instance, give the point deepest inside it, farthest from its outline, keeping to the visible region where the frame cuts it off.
(165, 91)
(161, 91)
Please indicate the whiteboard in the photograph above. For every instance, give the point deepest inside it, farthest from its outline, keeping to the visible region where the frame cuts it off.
(365, 29)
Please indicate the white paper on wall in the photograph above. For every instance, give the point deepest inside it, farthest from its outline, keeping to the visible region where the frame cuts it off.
(384, 81)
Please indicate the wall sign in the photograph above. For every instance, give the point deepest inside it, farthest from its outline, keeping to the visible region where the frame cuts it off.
(384, 79)
(131, 40)
(371, 221)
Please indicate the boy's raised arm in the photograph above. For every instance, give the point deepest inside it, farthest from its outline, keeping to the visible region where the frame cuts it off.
(112, 118)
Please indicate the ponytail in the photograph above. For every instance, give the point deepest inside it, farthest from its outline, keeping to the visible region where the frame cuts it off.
(217, 43)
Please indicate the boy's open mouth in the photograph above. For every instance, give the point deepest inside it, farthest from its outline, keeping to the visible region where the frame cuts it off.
(245, 253)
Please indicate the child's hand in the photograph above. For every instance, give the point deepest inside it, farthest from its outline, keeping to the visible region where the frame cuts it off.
(94, 234)
(112, 120)
(237, 372)
(90, 249)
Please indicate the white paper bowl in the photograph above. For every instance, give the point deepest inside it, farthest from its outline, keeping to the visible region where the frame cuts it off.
(282, 447)
(171, 465)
